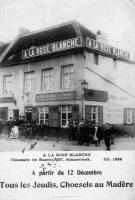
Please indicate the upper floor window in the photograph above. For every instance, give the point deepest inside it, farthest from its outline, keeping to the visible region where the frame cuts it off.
(96, 59)
(29, 81)
(7, 84)
(46, 79)
(114, 63)
(67, 76)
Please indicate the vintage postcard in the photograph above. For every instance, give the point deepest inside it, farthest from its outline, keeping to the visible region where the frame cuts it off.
(67, 99)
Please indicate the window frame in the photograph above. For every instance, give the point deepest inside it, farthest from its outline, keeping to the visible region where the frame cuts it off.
(69, 75)
(67, 111)
(4, 85)
(92, 113)
(44, 113)
(32, 90)
(50, 81)
(129, 115)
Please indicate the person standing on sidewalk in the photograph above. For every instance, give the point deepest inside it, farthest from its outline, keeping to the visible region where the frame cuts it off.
(107, 136)
(96, 139)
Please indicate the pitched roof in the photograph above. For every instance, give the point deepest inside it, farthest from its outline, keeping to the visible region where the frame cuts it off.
(3, 47)
(49, 35)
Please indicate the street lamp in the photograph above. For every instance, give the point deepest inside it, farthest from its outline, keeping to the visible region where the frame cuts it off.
(84, 86)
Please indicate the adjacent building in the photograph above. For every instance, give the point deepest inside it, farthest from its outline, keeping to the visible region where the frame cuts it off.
(64, 72)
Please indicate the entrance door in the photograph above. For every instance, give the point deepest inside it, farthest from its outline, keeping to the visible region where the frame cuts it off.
(28, 113)
(16, 114)
(4, 113)
(28, 116)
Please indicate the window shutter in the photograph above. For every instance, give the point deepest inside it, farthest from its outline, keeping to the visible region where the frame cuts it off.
(87, 113)
(133, 115)
(54, 116)
(35, 114)
(125, 115)
(100, 115)
(75, 112)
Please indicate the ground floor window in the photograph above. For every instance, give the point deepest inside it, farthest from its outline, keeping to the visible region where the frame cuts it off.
(129, 115)
(43, 114)
(94, 113)
(66, 114)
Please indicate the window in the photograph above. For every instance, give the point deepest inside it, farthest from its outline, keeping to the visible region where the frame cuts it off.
(66, 114)
(46, 79)
(96, 59)
(7, 84)
(128, 115)
(94, 114)
(67, 76)
(43, 114)
(29, 81)
(114, 63)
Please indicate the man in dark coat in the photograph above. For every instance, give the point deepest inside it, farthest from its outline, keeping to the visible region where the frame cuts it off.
(107, 136)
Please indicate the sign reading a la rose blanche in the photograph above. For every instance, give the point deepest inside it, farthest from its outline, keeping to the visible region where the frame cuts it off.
(52, 48)
(74, 43)
(93, 44)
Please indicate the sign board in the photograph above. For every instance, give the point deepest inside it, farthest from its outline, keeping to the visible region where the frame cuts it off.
(95, 45)
(52, 48)
(7, 100)
(94, 95)
(56, 96)
(28, 109)
(71, 44)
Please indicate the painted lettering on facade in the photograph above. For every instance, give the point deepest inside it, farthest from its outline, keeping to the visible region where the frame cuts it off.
(73, 43)
(93, 44)
(56, 96)
(52, 48)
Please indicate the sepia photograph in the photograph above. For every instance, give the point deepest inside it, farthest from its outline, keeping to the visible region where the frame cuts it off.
(67, 75)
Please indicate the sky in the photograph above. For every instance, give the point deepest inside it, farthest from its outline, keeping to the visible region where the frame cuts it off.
(114, 17)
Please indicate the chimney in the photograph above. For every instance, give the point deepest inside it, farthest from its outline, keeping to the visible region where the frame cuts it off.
(23, 31)
(102, 37)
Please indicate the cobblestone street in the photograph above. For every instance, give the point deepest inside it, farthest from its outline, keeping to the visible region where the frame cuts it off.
(53, 144)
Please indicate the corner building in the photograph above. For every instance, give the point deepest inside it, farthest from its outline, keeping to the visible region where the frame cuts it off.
(41, 76)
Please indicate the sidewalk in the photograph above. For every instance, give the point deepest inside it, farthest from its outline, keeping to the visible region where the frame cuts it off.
(55, 144)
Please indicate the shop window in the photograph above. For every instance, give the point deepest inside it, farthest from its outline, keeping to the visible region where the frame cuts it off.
(67, 74)
(128, 115)
(29, 81)
(96, 59)
(7, 84)
(44, 114)
(46, 79)
(66, 114)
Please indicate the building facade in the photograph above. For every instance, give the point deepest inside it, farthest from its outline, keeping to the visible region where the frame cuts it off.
(63, 72)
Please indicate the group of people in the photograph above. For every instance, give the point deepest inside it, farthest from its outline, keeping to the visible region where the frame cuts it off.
(21, 127)
(89, 132)
(84, 132)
